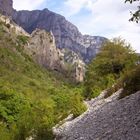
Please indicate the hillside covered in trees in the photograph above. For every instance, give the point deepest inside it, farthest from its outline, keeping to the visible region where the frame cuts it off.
(32, 99)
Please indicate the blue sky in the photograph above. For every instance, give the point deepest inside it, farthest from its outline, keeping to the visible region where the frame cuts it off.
(107, 18)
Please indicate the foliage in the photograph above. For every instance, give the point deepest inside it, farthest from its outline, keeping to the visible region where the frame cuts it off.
(131, 82)
(78, 108)
(136, 15)
(32, 99)
(22, 39)
(114, 59)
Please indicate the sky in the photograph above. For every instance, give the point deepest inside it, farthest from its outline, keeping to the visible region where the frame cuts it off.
(108, 18)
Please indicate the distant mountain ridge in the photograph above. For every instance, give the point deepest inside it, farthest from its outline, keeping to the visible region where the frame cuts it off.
(41, 46)
(66, 34)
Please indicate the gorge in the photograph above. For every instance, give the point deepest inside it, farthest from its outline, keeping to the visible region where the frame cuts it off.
(57, 84)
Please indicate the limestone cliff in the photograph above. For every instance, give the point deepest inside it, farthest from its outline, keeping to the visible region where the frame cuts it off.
(66, 34)
(13, 27)
(41, 46)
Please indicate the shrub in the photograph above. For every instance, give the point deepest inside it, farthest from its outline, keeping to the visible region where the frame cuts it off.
(131, 82)
(77, 105)
(32, 99)
(114, 58)
(22, 39)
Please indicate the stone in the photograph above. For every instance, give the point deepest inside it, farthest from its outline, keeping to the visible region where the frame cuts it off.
(66, 34)
(105, 119)
(13, 27)
(42, 47)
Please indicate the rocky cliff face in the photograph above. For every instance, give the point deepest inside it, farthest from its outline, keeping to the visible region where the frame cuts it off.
(13, 27)
(6, 7)
(66, 34)
(41, 46)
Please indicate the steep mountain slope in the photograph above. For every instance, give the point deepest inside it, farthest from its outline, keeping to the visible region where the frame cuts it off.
(66, 34)
(41, 46)
(32, 99)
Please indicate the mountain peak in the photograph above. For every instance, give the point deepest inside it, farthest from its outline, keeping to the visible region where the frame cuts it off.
(66, 34)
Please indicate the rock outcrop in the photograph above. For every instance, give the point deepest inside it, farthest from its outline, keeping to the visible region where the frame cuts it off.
(74, 63)
(41, 46)
(13, 27)
(6, 7)
(66, 34)
(105, 119)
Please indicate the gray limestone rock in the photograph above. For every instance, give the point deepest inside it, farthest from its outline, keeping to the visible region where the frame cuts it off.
(106, 119)
(43, 49)
(41, 46)
(66, 34)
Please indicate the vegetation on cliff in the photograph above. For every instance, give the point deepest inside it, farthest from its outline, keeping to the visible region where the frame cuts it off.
(32, 99)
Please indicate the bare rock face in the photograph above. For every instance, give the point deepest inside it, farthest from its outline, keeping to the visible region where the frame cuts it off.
(13, 27)
(42, 48)
(105, 119)
(40, 45)
(66, 34)
(75, 65)
(92, 45)
(6, 7)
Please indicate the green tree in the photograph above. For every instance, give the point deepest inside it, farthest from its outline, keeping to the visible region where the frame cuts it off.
(114, 59)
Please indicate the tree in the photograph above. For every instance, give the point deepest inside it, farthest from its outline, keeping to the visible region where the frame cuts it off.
(114, 59)
(136, 15)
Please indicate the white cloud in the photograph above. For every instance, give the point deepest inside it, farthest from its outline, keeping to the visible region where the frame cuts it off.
(108, 18)
(74, 6)
(27, 4)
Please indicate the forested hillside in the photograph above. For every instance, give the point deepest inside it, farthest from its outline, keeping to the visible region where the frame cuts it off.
(32, 99)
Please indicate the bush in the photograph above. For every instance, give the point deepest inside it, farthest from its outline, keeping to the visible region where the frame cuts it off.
(22, 39)
(131, 82)
(114, 58)
(77, 105)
